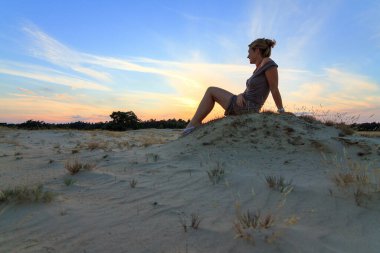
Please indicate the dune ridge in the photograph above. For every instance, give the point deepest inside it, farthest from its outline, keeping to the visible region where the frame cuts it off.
(321, 209)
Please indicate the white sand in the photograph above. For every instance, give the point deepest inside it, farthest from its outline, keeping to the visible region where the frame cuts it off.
(100, 212)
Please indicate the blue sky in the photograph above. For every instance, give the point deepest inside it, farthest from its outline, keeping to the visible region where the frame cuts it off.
(62, 61)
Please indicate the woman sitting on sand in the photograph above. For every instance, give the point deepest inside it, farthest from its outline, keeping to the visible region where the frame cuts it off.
(263, 80)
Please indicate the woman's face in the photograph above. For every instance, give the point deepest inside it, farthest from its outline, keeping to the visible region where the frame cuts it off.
(252, 55)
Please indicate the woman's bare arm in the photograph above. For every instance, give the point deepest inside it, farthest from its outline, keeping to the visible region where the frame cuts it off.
(272, 78)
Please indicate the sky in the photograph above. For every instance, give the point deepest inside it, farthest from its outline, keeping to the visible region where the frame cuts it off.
(65, 60)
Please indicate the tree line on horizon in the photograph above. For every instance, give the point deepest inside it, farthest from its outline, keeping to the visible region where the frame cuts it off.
(121, 121)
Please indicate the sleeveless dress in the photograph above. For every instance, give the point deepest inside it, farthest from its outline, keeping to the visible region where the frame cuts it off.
(255, 94)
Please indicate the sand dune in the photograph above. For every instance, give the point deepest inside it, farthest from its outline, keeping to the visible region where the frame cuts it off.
(329, 200)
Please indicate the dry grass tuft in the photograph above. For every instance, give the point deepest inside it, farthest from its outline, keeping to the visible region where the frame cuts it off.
(133, 183)
(350, 173)
(147, 141)
(355, 178)
(279, 184)
(152, 157)
(25, 194)
(309, 119)
(96, 145)
(88, 166)
(248, 223)
(216, 174)
(255, 220)
(351, 178)
(124, 144)
(362, 198)
(329, 123)
(195, 220)
(345, 129)
(73, 167)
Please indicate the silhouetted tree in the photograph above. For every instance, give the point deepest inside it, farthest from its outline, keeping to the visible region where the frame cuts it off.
(122, 121)
(34, 125)
(374, 126)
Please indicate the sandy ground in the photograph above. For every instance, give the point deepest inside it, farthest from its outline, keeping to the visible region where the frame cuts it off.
(100, 211)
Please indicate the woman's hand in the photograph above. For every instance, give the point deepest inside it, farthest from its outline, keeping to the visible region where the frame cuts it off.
(240, 101)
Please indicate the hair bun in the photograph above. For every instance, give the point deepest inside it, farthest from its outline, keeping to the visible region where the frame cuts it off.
(270, 43)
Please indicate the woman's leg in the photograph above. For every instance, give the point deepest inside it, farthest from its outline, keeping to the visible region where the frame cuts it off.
(212, 95)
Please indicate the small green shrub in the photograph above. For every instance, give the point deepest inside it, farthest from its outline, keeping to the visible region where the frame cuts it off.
(69, 181)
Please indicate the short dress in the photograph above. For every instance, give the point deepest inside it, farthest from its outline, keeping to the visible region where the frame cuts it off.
(255, 94)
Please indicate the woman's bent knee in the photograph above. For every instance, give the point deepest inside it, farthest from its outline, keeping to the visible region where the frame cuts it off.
(212, 89)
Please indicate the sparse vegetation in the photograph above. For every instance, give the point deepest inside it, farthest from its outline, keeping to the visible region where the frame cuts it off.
(349, 173)
(268, 112)
(345, 129)
(183, 222)
(152, 156)
(96, 145)
(309, 119)
(195, 220)
(75, 166)
(351, 178)
(355, 178)
(69, 181)
(133, 183)
(216, 174)
(250, 222)
(361, 198)
(26, 194)
(124, 144)
(88, 166)
(279, 184)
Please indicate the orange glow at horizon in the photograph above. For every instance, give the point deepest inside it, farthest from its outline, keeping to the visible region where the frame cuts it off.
(65, 112)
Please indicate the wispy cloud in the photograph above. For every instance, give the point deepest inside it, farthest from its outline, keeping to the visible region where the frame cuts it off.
(191, 75)
(49, 49)
(269, 19)
(48, 75)
(194, 18)
(25, 91)
(339, 91)
(369, 19)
